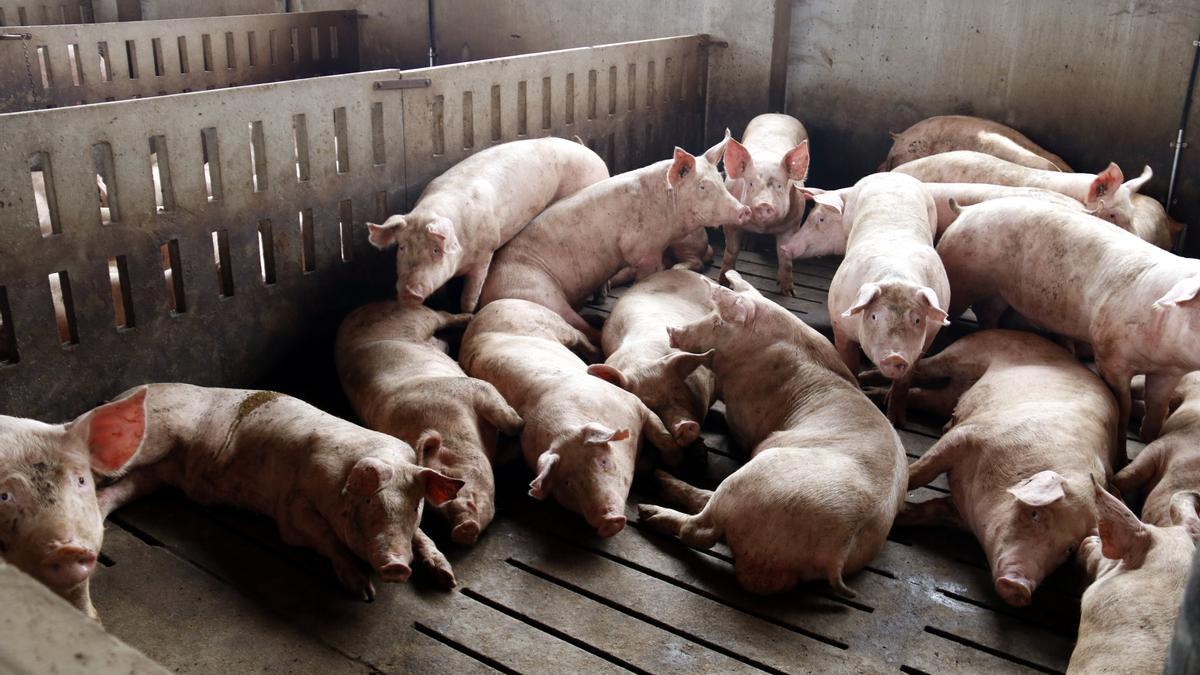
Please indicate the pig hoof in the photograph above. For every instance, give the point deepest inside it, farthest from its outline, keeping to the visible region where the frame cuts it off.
(1016, 591)
(466, 532)
(443, 576)
(356, 581)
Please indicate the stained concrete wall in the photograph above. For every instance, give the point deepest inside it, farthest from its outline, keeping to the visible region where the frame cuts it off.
(1092, 80)
(392, 33)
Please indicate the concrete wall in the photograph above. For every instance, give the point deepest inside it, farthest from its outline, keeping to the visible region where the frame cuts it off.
(392, 33)
(1092, 80)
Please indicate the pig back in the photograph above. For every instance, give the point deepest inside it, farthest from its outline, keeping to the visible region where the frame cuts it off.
(668, 298)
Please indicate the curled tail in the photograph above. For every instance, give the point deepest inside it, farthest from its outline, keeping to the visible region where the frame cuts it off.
(955, 206)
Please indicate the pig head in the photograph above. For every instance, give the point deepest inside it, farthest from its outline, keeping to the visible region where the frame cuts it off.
(51, 525)
(765, 187)
(428, 253)
(897, 320)
(675, 387)
(823, 232)
(589, 470)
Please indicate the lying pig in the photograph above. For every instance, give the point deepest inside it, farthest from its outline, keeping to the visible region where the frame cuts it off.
(465, 215)
(581, 433)
(1103, 194)
(1136, 304)
(1170, 465)
(578, 244)
(401, 382)
(887, 296)
(824, 231)
(51, 526)
(1151, 223)
(1140, 571)
(349, 493)
(677, 386)
(945, 133)
(827, 471)
(761, 174)
(1031, 428)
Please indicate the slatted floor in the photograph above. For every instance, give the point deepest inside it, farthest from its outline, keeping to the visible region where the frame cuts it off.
(214, 590)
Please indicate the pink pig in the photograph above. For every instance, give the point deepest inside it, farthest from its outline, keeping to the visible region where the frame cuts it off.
(465, 215)
(946, 133)
(888, 294)
(1170, 466)
(401, 382)
(51, 526)
(827, 472)
(1031, 429)
(580, 243)
(581, 433)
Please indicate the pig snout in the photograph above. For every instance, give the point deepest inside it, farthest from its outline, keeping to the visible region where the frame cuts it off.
(464, 520)
(1015, 589)
(685, 432)
(894, 366)
(394, 570)
(465, 532)
(744, 214)
(409, 295)
(67, 566)
(764, 212)
(609, 524)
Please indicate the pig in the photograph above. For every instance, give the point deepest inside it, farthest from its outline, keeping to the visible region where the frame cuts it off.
(579, 243)
(1151, 223)
(349, 493)
(691, 251)
(824, 232)
(401, 382)
(889, 294)
(1134, 303)
(1031, 429)
(677, 386)
(945, 133)
(581, 433)
(1104, 194)
(51, 526)
(1170, 465)
(761, 174)
(1140, 571)
(827, 472)
(465, 215)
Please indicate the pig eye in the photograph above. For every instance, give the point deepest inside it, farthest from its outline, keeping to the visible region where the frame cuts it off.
(81, 481)
(5, 497)
(873, 317)
(917, 321)
(1034, 515)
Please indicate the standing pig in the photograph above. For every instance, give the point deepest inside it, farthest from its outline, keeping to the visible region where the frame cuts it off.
(761, 174)
(1136, 304)
(51, 526)
(465, 215)
(1103, 194)
(946, 133)
(578, 244)
(827, 472)
(888, 295)
(677, 386)
(581, 433)
(349, 493)
(1169, 466)
(401, 382)
(1031, 429)
(1140, 571)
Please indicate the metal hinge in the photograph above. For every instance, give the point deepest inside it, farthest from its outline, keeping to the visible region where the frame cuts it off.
(415, 83)
(1172, 144)
(16, 36)
(710, 41)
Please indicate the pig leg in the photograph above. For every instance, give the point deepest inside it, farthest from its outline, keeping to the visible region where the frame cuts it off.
(1159, 388)
(940, 511)
(897, 402)
(940, 401)
(559, 305)
(448, 320)
(625, 276)
(733, 246)
(939, 459)
(674, 491)
(426, 554)
(1146, 466)
(786, 280)
(474, 285)
(580, 340)
(989, 310)
(1118, 375)
(661, 438)
(691, 530)
(847, 349)
(492, 407)
(127, 489)
(647, 266)
(305, 526)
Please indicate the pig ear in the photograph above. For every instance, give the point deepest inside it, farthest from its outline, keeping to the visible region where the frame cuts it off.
(1122, 535)
(830, 199)
(1105, 184)
(539, 488)
(1041, 489)
(1136, 184)
(1185, 511)
(384, 236)
(439, 488)
(683, 166)
(683, 363)
(442, 231)
(609, 374)
(714, 154)
(1183, 291)
(866, 293)
(594, 433)
(113, 433)
(428, 443)
(737, 160)
(795, 162)
(733, 307)
(933, 312)
(369, 476)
